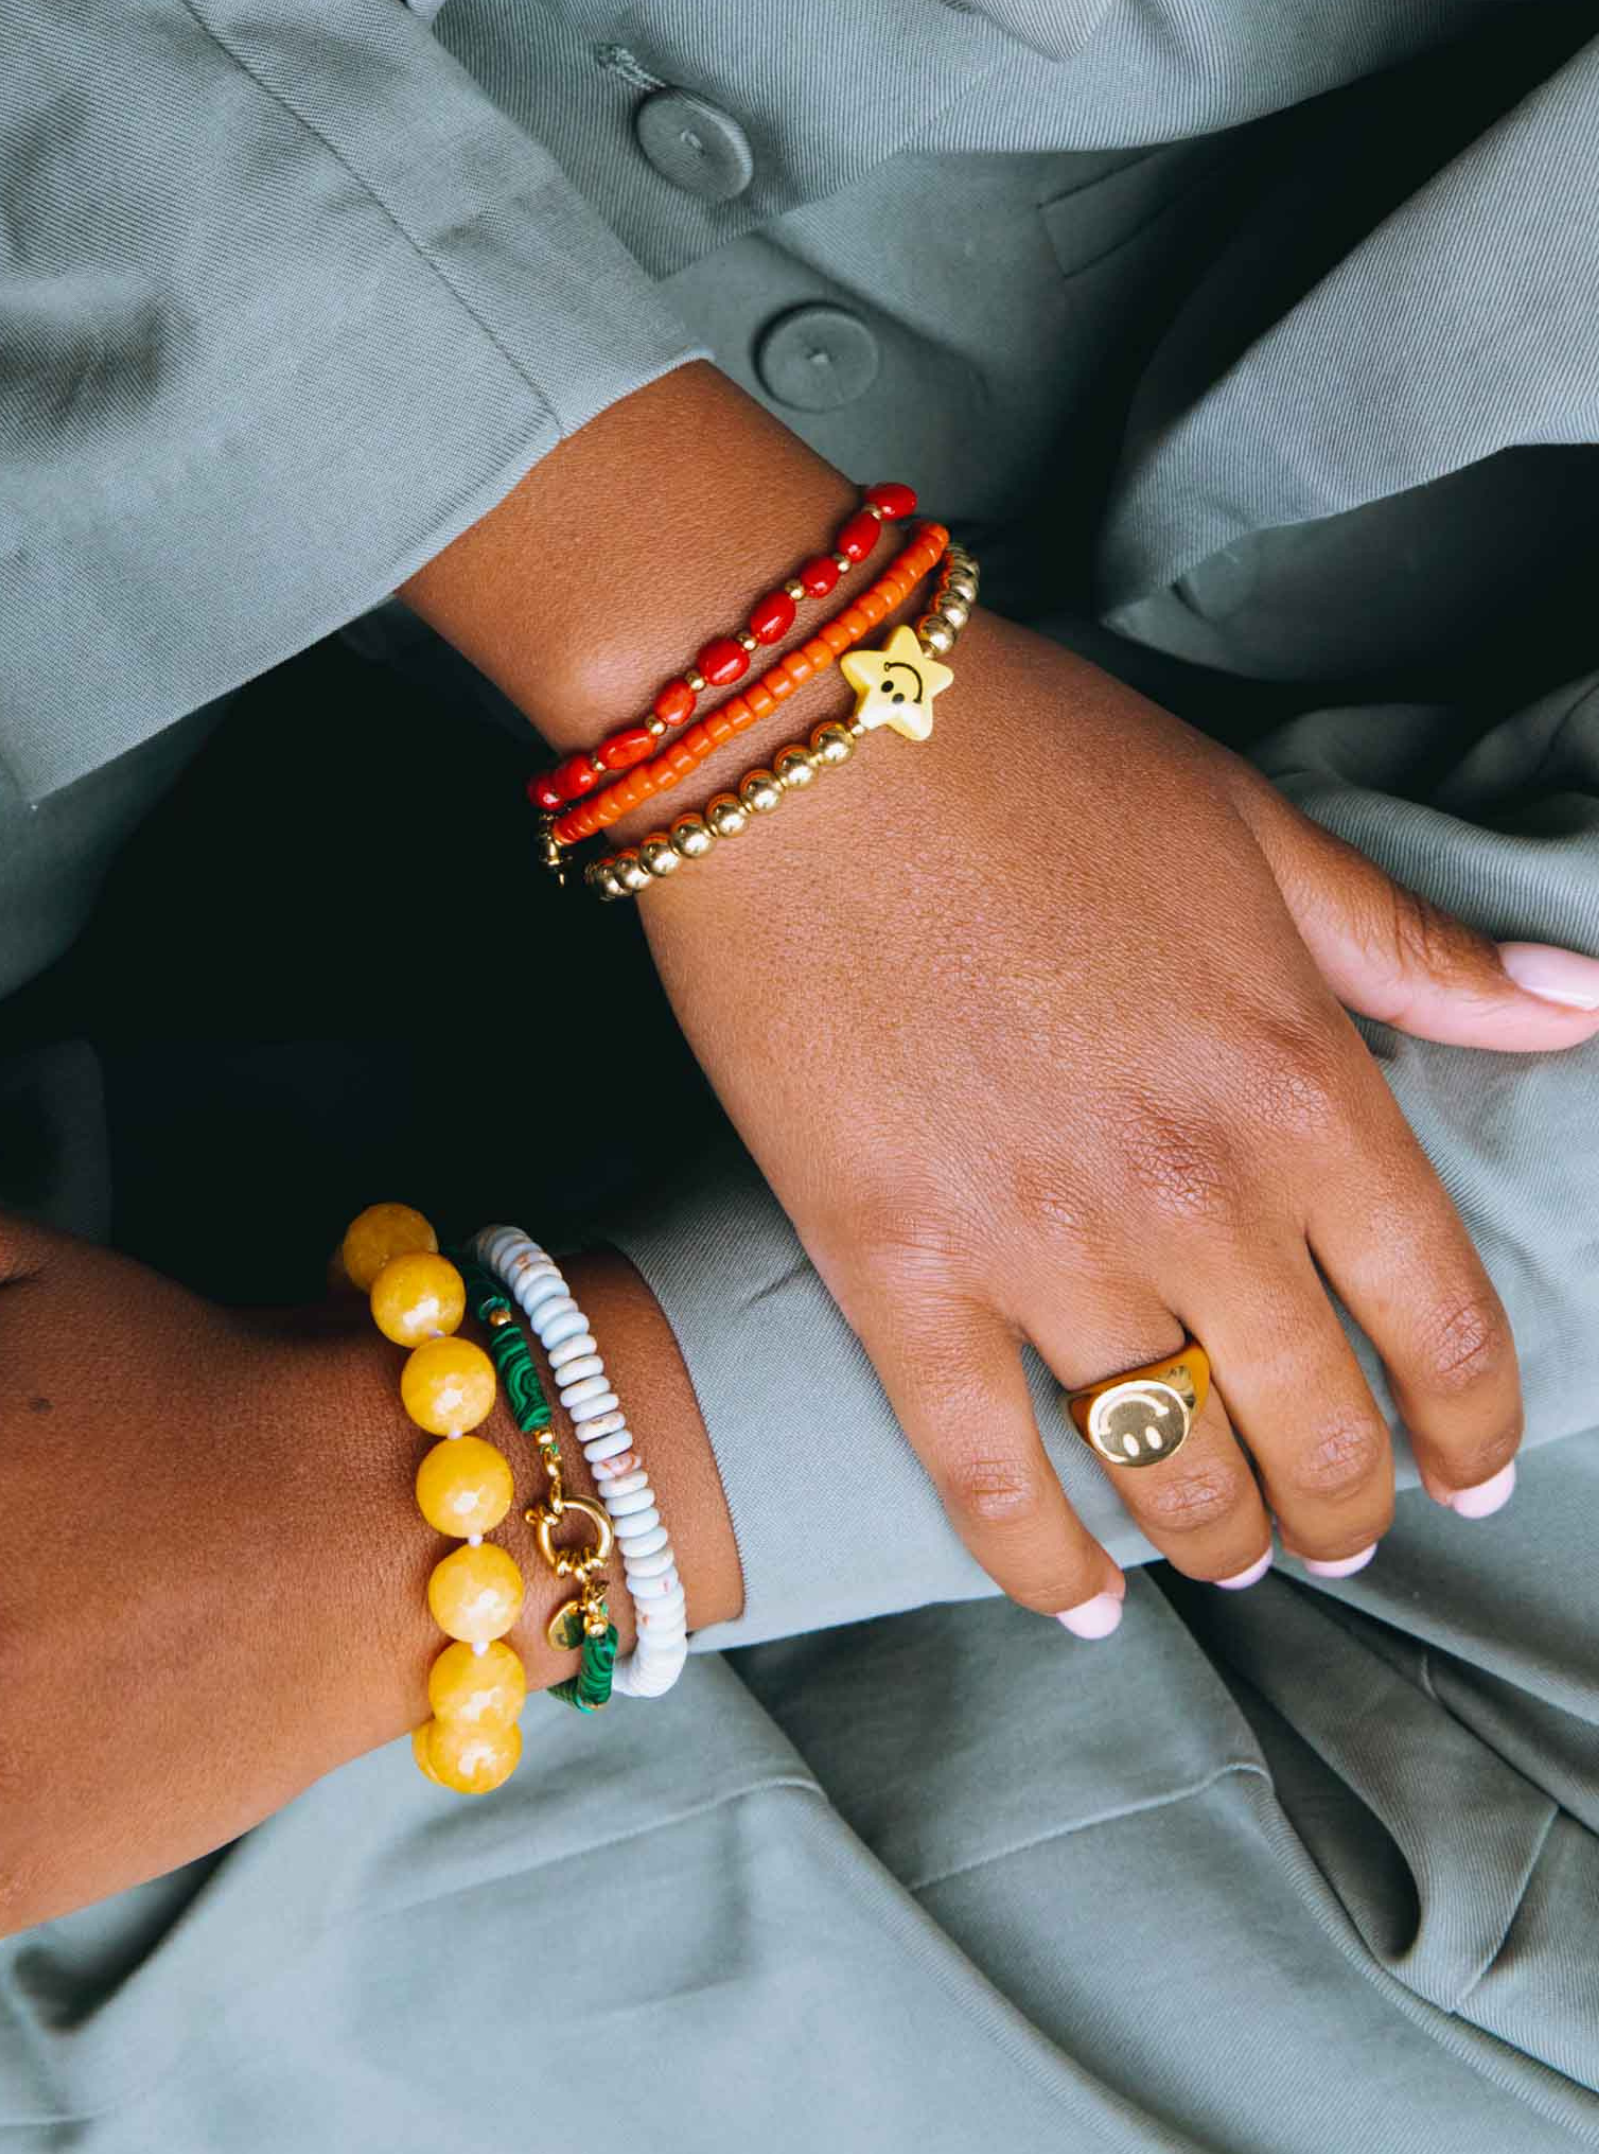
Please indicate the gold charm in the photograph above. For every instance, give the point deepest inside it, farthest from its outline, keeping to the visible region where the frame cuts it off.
(896, 685)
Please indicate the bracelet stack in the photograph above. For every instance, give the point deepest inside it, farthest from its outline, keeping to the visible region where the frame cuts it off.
(895, 687)
(477, 1686)
(648, 1561)
(587, 793)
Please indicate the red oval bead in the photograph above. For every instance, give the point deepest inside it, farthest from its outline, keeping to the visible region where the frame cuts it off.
(575, 777)
(723, 660)
(772, 617)
(819, 575)
(544, 792)
(859, 536)
(893, 499)
(631, 745)
(674, 703)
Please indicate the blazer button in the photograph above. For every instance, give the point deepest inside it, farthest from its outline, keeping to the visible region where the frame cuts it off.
(817, 358)
(692, 144)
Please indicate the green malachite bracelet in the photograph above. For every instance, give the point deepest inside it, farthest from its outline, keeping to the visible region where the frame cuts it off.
(590, 1688)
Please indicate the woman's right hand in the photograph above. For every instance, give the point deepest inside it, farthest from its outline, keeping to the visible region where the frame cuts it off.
(1036, 1032)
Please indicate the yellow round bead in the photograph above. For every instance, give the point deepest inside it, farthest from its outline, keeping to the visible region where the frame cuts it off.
(422, 1750)
(482, 1690)
(474, 1761)
(726, 815)
(383, 1231)
(475, 1593)
(447, 1386)
(761, 793)
(794, 769)
(935, 634)
(418, 1296)
(630, 871)
(464, 1486)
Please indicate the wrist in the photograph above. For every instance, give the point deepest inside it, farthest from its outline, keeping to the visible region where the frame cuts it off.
(596, 579)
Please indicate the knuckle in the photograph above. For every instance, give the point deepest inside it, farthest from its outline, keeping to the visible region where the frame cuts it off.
(905, 1236)
(1183, 1167)
(1295, 1082)
(1340, 1460)
(1193, 1500)
(1420, 938)
(1467, 1341)
(990, 1489)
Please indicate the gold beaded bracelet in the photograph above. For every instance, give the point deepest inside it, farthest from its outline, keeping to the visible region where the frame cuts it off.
(903, 703)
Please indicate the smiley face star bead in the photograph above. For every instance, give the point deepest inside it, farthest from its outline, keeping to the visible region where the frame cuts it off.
(896, 685)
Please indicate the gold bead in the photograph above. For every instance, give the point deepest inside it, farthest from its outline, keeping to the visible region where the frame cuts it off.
(963, 588)
(857, 728)
(602, 882)
(793, 768)
(657, 854)
(696, 681)
(843, 563)
(656, 728)
(499, 1318)
(761, 792)
(726, 815)
(691, 838)
(871, 509)
(934, 634)
(954, 610)
(832, 745)
(748, 639)
(630, 871)
(795, 589)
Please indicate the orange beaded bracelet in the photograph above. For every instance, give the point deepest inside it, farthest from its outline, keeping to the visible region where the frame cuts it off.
(741, 711)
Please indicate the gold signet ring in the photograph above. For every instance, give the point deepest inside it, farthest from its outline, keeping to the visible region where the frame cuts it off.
(1142, 1417)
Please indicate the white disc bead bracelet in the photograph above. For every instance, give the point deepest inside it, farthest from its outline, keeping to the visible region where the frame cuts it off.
(660, 1604)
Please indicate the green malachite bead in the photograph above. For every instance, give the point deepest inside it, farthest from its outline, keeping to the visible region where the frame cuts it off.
(508, 1348)
(590, 1688)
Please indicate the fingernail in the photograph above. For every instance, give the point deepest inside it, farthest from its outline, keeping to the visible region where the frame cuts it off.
(1487, 1497)
(1553, 975)
(1093, 1619)
(1341, 1567)
(1252, 1577)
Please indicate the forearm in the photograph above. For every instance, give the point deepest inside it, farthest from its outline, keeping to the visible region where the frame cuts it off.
(212, 1569)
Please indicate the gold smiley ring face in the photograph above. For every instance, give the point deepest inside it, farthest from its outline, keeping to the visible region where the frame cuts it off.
(1144, 1417)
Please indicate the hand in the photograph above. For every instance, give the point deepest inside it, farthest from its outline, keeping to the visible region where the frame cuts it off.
(1036, 1032)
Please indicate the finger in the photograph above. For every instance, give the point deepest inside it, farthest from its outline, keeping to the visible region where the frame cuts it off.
(953, 1374)
(1398, 1255)
(1391, 954)
(1298, 1399)
(1202, 1507)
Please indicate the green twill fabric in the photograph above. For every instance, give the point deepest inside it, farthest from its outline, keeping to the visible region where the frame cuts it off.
(1272, 321)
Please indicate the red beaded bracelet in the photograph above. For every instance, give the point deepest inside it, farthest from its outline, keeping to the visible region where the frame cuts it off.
(840, 634)
(724, 659)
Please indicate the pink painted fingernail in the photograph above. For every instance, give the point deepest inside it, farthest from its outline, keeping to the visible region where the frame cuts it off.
(1093, 1619)
(1487, 1497)
(1342, 1566)
(1252, 1577)
(1553, 975)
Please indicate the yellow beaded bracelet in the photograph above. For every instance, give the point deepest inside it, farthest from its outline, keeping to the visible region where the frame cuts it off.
(477, 1686)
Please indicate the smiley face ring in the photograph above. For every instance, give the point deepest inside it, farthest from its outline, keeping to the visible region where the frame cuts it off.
(1142, 1418)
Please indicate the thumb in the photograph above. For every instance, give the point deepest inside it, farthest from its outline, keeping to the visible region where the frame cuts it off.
(1391, 954)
